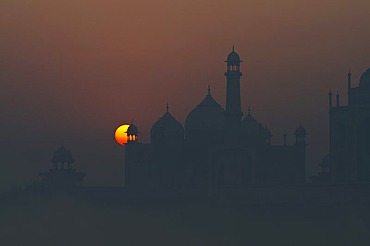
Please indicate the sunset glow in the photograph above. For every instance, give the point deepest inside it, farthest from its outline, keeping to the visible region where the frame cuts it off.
(121, 134)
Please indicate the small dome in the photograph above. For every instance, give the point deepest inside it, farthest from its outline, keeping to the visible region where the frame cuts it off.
(132, 130)
(365, 79)
(62, 155)
(267, 132)
(233, 58)
(300, 131)
(207, 115)
(251, 127)
(166, 130)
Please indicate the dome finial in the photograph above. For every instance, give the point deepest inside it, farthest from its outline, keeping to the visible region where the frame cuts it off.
(233, 48)
(167, 107)
(209, 89)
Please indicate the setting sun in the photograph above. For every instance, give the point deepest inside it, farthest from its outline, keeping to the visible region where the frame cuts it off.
(121, 134)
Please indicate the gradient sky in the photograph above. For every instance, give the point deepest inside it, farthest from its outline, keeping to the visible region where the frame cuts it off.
(71, 71)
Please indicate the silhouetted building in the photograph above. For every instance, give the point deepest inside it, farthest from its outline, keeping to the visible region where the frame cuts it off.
(62, 176)
(348, 159)
(220, 149)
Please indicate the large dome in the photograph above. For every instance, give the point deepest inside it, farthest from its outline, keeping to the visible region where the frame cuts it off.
(365, 79)
(207, 115)
(167, 130)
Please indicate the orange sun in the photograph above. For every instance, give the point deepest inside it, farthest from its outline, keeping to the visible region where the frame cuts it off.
(121, 134)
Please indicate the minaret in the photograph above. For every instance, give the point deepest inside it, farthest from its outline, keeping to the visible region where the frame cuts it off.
(337, 96)
(131, 151)
(300, 145)
(233, 106)
(349, 86)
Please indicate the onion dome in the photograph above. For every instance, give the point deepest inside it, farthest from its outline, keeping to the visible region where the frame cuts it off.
(365, 79)
(132, 130)
(207, 115)
(62, 155)
(252, 127)
(132, 133)
(233, 58)
(300, 131)
(167, 130)
(267, 132)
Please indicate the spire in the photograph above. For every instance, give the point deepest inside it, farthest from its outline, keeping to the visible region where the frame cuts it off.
(337, 96)
(249, 110)
(167, 107)
(209, 89)
(330, 99)
(349, 86)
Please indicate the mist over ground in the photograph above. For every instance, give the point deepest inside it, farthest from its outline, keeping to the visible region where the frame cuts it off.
(66, 220)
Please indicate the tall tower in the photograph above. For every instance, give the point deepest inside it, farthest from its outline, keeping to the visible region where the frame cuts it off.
(233, 112)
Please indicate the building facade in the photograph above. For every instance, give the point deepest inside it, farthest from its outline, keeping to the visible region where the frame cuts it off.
(348, 159)
(217, 149)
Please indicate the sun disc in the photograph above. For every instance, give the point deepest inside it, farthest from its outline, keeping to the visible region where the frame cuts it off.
(121, 134)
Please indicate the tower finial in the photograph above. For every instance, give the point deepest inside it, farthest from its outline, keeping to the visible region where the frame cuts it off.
(249, 110)
(330, 99)
(167, 107)
(349, 86)
(209, 89)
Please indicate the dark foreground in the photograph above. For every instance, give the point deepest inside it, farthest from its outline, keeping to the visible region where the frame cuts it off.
(66, 220)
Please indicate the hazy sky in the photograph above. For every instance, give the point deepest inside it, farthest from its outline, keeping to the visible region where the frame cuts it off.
(72, 71)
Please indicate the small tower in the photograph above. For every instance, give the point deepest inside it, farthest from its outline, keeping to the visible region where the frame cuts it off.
(300, 135)
(62, 176)
(132, 134)
(337, 97)
(62, 157)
